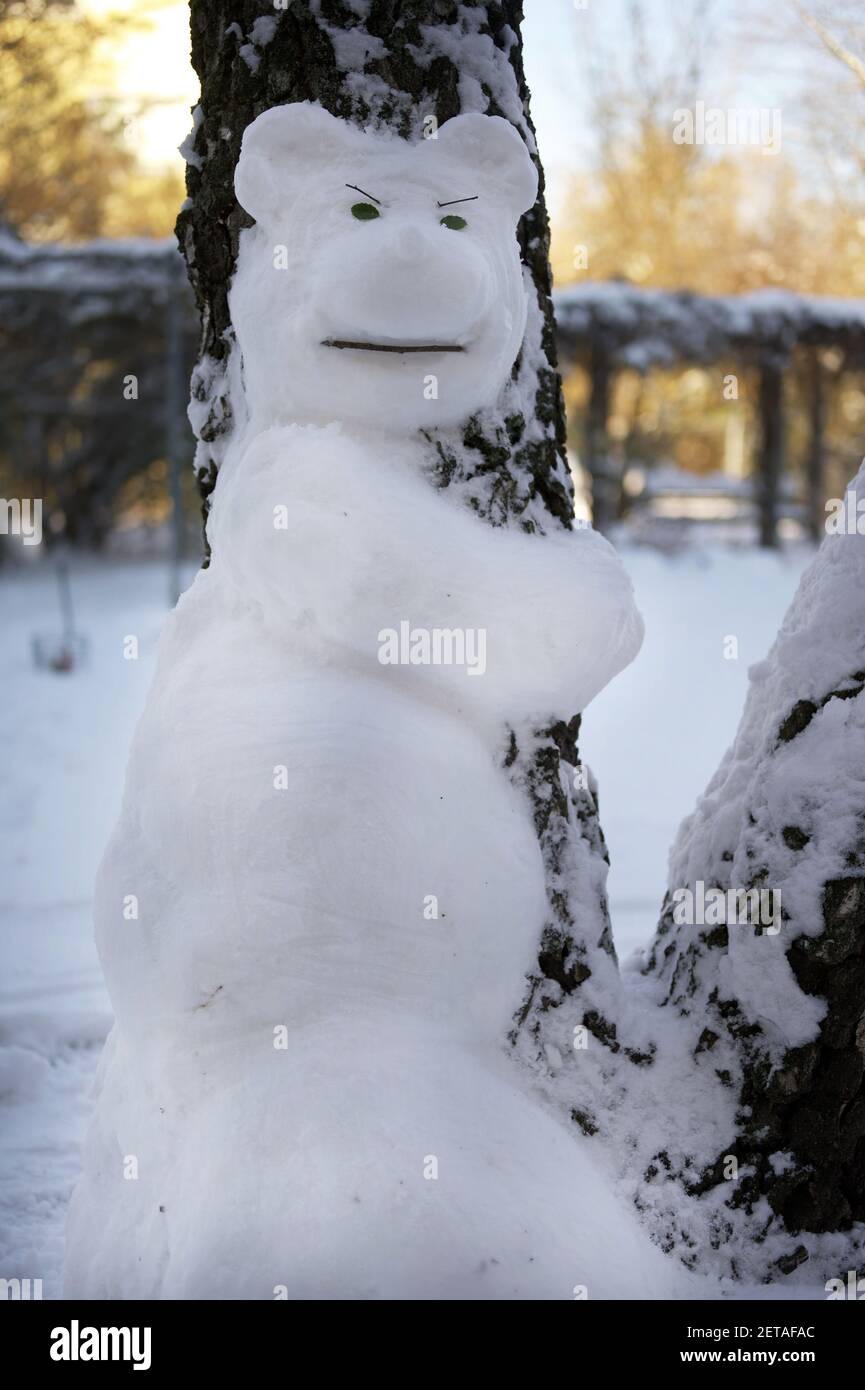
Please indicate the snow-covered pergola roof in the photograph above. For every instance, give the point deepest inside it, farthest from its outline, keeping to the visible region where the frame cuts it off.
(646, 328)
(633, 327)
(89, 282)
(102, 294)
(132, 264)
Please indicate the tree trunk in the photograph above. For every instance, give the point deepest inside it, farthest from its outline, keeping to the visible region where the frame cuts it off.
(409, 60)
(779, 1015)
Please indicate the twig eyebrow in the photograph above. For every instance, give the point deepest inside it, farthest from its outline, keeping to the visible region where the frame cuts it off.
(365, 194)
(450, 203)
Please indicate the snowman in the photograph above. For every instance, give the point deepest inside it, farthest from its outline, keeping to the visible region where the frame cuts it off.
(338, 891)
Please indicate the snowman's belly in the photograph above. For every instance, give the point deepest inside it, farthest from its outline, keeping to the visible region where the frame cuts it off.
(322, 845)
(379, 1159)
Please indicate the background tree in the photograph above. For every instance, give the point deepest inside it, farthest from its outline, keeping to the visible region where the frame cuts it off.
(715, 219)
(829, 36)
(67, 168)
(719, 220)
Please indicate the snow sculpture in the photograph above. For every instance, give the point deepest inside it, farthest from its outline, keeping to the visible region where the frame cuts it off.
(338, 890)
(380, 244)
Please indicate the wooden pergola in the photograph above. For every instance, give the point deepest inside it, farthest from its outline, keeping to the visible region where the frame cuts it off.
(76, 322)
(614, 326)
(66, 308)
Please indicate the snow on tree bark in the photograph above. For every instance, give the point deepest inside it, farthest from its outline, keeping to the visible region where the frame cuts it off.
(778, 1016)
(409, 65)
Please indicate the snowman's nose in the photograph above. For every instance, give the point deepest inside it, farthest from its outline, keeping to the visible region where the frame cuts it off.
(410, 245)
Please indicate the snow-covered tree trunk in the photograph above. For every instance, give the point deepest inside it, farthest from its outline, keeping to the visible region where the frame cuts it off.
(776, 1007)
(409, 66)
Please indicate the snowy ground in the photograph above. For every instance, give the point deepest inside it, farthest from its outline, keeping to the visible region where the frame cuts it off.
(653, 739)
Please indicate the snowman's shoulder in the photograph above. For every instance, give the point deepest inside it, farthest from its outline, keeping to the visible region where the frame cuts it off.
(296, 445)
(310, 462)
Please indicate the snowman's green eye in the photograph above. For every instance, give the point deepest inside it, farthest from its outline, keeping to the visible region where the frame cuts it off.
(364, 212)
(455, 223)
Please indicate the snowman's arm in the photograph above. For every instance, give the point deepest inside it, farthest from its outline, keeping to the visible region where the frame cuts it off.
(343, 544)
(557, 611)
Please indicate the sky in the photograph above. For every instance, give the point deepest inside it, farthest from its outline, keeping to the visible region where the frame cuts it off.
(154, 64)
(746, 64)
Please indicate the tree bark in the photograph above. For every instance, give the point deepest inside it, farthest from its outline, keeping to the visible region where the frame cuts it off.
(423, 58)
(785, 812)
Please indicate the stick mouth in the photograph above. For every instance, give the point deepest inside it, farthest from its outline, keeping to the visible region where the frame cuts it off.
(355, 345)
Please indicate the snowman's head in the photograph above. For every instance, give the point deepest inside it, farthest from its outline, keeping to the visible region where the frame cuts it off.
(382, 282)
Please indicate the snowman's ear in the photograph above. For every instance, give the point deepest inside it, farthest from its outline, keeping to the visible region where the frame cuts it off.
(280, 147)
(495, 156)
